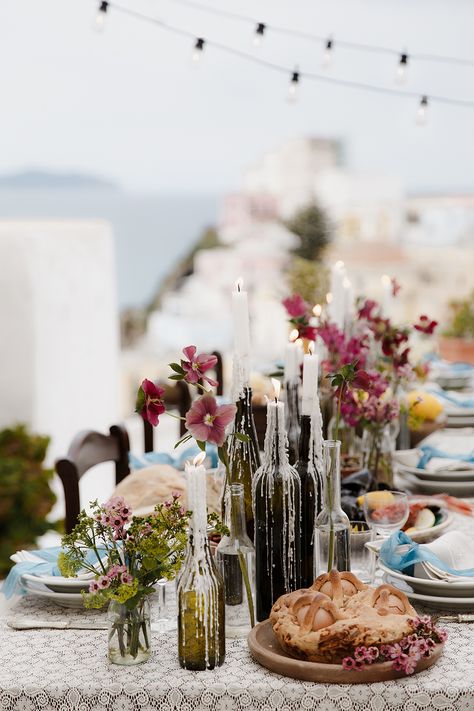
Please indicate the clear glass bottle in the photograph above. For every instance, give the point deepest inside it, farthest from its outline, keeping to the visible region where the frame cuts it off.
(378, 447)
(200, 589)
(244, 458)
(309, 470)
(277, 501)
(234, 552)
(293, 427)
(346, 435)
(129, 632)
(332, 526)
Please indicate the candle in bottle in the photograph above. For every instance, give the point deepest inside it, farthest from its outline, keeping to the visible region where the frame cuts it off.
(310, 382)
(240, 314)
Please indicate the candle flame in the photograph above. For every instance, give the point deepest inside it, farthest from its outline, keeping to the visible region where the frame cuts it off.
(276, 387)
(311, 347)
(329, 297)
(386, 281)
(199, 458)
(317, 309)
(239, 284)
(339, 264)
(294, 335)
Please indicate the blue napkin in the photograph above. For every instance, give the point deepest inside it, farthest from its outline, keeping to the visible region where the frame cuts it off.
(12, 584)
(177, 461)
(416, 553)
(458, 400)
(430, 452)
(457, 367)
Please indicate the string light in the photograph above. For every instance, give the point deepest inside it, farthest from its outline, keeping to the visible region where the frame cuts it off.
(295, 75)
(401, 74)
(421, 118)
(327, 54)
(347, 44)
(198, 50)
(259, 33)
(100, 17)
(293, 86)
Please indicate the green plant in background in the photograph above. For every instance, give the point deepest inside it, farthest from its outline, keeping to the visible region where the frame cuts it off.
(25, 494)
(312, 226)
(462, 318)
(306, 274)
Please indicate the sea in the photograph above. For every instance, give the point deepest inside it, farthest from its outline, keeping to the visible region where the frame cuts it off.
(152, 232)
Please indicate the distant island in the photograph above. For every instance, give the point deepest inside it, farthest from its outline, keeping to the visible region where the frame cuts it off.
(43, 179)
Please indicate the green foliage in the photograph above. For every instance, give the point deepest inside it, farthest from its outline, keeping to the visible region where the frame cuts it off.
(26, 497)
(462, 318)
(308, 278)
(312, 226)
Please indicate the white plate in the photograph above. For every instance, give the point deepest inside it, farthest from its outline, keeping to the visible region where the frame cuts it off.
(442, 474)
(73, 600)
(455, 604)
(439, 588)
(425, 486)
(56, 583)
(423, 535)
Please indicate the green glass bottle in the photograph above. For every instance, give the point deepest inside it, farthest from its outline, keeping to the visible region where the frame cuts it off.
(309, 468)
(200, 590)
(277, 501)
(244, 457)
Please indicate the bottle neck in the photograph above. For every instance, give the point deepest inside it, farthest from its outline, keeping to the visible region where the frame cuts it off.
(243, 416)
(305, 437)
(332, 474)
(238, 526)
(292, 403)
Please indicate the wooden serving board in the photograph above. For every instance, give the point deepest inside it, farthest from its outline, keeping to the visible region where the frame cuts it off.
(265, 649)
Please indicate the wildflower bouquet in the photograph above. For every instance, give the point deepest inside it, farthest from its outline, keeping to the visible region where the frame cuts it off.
(404, 654)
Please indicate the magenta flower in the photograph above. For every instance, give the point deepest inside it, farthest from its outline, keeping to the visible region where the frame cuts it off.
(196, 365)
(206, 420)
(425, 325)
(296, 306)
(150, 403)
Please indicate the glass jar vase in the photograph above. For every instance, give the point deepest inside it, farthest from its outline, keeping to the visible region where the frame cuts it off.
(378, 447)
(129, 633)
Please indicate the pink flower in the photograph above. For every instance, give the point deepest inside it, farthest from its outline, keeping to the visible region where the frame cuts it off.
(127, 579)
(103, 582)
(425, 325)
(296, 306)
(348, 663)
(150, 403)
(196, 365)
(94, 587)
(206, 420)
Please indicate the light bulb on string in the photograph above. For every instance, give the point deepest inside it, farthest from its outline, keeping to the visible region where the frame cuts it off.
(421, 114)
(258, 35)
(401, 74)
(100, 16)
(198, 50)
(293, 86)
(327, 54)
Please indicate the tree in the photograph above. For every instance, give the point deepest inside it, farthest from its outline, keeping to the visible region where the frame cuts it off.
(312, 226)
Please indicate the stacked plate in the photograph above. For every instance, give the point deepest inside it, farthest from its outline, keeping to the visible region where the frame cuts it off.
(430, 583)
(65, 592)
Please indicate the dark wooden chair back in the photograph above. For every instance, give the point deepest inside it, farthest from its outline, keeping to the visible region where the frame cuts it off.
(176, 397)
(87, 449)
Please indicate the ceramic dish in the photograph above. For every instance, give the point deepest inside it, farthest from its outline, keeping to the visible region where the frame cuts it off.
(455, 604)
(73, 600)
(425, 486)
(423, 535)
(439, 588)
(56, 583)
(457, 475)
(264, 647)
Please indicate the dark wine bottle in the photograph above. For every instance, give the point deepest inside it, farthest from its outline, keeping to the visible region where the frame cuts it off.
(309, 469)
(244, 457)
(277, 501)
(293, 427)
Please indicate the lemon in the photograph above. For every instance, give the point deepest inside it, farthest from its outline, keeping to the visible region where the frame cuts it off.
(424, 405)
(377, 499)
(425, 519)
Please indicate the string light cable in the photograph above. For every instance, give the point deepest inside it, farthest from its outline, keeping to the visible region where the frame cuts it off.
(199, 42)
(347, 44)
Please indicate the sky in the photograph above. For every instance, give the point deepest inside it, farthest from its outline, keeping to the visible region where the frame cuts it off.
(128, 104)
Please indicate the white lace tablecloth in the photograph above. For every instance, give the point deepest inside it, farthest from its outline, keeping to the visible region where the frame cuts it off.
(58, 670)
